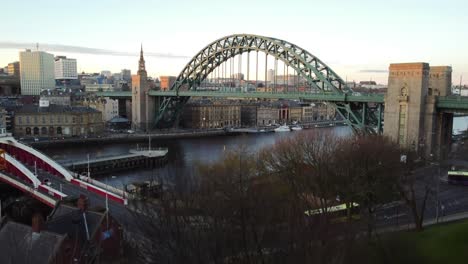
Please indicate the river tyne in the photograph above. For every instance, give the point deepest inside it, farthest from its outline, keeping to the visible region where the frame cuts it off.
(185, 153)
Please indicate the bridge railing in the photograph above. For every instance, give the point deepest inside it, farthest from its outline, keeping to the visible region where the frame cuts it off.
(38, 194)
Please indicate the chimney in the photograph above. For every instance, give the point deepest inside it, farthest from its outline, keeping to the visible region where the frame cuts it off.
(82, 203)
(37, 223)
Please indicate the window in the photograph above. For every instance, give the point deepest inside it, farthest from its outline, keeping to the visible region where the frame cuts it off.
(20, 120)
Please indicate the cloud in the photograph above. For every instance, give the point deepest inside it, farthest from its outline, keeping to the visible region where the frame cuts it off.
(83, 50)
(373, 71)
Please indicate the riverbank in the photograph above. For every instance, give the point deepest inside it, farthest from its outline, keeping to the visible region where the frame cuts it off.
(159, 135)
(128, 138)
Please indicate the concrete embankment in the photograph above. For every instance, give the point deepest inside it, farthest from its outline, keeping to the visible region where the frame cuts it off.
(119, 138)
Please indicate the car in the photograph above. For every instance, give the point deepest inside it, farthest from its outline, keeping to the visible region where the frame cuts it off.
(130, 131)
(36, 139)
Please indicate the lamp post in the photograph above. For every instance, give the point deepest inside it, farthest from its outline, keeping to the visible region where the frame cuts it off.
(204, 124)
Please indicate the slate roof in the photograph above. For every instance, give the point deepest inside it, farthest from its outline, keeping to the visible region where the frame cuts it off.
(20, 245)
(70, 221)
(26, 109)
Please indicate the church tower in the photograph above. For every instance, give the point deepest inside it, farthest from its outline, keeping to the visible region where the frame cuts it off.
(140, 96)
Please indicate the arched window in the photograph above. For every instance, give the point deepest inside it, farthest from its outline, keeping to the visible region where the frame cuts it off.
(59, 130)
(44, 131)
(28, 131)
(51, 130)
(36, 131)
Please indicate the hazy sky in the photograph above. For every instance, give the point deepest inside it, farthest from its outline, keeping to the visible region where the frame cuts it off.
(358, 39)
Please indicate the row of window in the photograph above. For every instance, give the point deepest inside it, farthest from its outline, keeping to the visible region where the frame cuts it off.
(43, 131)
(35, 120)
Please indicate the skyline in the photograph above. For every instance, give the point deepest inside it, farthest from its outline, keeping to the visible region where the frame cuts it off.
(358, 40)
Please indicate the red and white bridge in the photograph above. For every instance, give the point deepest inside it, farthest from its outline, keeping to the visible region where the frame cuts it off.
(31, 171)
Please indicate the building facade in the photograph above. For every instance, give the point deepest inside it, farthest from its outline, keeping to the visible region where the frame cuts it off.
(267, 115)
(65, 68)
(166, 82)
(249, 115)
(36, 72)
(126, 75)
(99, 87)
(107, 106)
(56, 97)
(14, 69)
(57, 121)
(205, 115)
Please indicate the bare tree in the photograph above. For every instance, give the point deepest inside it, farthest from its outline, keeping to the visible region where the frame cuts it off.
(414, 190)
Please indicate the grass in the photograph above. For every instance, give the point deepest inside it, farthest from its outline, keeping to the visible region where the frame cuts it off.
(445, 243)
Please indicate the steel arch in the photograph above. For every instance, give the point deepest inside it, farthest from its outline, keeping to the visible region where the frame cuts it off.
(318, 74)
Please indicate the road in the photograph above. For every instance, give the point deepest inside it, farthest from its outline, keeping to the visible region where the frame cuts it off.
(453, 200)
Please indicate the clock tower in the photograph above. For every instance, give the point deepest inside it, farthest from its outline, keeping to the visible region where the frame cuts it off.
(140, 98)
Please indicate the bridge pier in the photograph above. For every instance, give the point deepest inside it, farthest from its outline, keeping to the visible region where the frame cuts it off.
(411, 114)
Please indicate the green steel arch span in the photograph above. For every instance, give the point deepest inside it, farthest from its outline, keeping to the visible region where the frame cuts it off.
(361, 116)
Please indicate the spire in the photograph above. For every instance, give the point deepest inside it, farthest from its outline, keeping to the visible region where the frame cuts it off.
(141, 51)
(141, 63)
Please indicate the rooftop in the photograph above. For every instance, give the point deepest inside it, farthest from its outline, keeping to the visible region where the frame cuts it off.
(20, 245)
(55, 109)
(67, 220)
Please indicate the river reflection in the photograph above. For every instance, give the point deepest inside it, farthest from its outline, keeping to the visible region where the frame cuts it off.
(183, 153)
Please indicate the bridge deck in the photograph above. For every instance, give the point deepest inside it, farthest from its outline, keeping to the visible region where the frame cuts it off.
(451, 102)
(374, 98)
(133, 154)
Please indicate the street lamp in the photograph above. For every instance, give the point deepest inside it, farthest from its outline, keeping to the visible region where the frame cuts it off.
(437, 185)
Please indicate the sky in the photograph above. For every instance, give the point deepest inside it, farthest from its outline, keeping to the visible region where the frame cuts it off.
(357, 39)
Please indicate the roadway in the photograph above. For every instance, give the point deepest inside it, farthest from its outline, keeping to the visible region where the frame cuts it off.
(117, 210)
(453, 200)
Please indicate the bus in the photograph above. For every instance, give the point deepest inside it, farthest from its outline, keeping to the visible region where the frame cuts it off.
(458, 177)
(337, 213)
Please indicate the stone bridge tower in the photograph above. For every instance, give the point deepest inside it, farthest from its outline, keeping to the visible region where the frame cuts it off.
(411, 116)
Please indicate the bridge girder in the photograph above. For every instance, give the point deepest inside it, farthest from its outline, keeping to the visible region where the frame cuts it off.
(318, 75)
